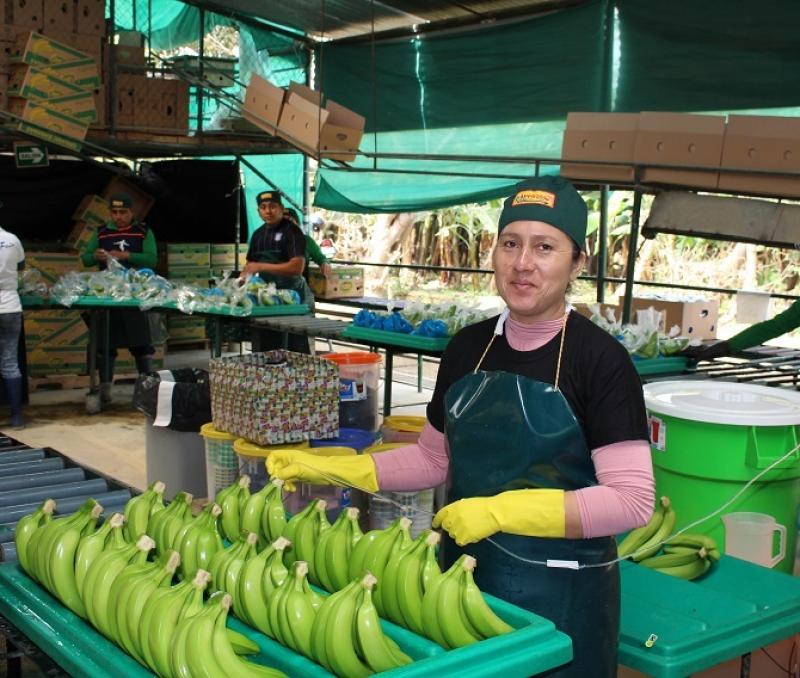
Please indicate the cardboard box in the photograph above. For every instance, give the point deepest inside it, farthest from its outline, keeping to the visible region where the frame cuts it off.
(90, 45)
(36, 83)
(224, 255)
(142, 201)
(80, 106)
(302, 119)
(761, 142)
(3, 91)
(90, 17)
(80, 235)
(156, 104)
(82, 73)
(93, 209)
(603, 137)
(697, 319)
(680, 139)
(99, 96)
(262, 104)
(27, 14)
(48, 124)
(344, 281)
(341, 135)
(52, 265)
(39, 50)
(181, 106)
(188, 254)
(125, 98)
(585, 309)
(58, 15)
(125, 54)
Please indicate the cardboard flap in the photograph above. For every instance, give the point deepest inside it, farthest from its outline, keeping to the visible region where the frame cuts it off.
(310, 95)
(344, 117)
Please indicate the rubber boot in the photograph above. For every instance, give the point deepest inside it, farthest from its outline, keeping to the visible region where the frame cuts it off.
(105, 392)
(144, 363)
(14, 392)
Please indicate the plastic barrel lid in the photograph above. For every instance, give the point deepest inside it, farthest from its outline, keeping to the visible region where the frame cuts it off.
(353, 358)
(348, 437)
(407, 423)
(250, 449)
(384, 447)
(333, 451)
(208, 431)
(720, 402)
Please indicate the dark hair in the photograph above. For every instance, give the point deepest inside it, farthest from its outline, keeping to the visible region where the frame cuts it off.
(576, 251)
(292, 215)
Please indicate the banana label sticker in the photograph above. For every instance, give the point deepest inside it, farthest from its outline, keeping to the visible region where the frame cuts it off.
(658, 432)
(544, 198)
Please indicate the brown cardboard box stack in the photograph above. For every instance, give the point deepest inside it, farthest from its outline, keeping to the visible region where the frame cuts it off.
(50, 56)
(188, 264)
(297, 115)
(344, 281)
(56, 341)
(666, 146)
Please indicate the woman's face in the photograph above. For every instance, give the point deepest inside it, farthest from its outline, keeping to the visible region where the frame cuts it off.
(533, 265)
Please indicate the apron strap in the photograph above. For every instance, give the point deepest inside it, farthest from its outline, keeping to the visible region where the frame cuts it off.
(498, 329)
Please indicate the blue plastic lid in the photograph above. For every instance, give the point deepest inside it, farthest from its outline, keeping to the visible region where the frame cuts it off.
(356, 438)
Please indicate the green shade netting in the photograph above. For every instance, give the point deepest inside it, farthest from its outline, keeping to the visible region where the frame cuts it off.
(284, 171)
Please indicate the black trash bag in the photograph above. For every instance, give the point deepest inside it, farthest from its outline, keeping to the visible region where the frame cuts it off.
(188, 408)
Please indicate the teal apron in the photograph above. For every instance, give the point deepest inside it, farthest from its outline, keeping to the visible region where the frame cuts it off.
(508, 432)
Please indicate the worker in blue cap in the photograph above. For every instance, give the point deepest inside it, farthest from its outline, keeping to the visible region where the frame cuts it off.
(538, 425)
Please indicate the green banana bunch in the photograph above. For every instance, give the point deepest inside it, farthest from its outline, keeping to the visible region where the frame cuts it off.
(226, 564)
(377, 650)
(264, 513)
(198, 541)
(651, 546)
(306, 528)
(38, 549)
(259, 578)
(291, 611)
(388, 544)
(454, 612)
(232, 500)
(334, 548)
(226, 656)
(687, 556)
(160, 617)
(693, 541)
(273, 518)
(60, 559)
(635, 538)
(27, 526)
(101, 575)
(139, 508)
(165, 525)
(128, 595)
(403, 586)
(109, 535)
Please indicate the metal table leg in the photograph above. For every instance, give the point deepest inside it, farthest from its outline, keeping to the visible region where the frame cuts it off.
(419, 372)
(216, 349)
(387, 383)
(93, 396)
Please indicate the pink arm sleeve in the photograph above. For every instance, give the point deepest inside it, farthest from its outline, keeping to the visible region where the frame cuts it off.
(414, 467)
(625, 495)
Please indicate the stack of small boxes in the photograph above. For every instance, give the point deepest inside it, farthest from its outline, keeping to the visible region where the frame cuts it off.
(50, 56)
(188, 264)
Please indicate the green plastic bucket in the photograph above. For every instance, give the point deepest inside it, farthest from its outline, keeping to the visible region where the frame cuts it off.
(709, 438)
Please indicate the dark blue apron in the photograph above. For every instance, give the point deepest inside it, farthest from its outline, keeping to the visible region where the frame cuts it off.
(508, 432)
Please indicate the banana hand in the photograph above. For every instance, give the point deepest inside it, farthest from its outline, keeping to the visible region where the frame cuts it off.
(353, 471)
(531, 513)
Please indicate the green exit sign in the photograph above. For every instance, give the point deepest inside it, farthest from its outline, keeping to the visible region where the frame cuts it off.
(28, 154)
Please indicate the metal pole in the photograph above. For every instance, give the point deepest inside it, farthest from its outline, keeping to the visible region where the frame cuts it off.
(111, 94)
(200, 57)
(602, 242)
(631, 264)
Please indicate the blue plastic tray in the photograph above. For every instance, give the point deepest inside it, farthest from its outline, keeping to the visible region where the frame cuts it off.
(534, 647)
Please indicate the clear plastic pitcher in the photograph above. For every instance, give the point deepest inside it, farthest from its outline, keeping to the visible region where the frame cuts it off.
(749, 536)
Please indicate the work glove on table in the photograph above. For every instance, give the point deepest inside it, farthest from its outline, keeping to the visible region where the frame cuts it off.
(530, 513)
(351, 471)
(707, 352)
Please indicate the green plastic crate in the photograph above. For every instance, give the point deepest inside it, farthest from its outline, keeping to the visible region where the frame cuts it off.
(396, 338)
(661, 365)
(734, 609)
(536, 646)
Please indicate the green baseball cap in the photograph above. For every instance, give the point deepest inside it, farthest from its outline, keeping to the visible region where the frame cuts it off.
(550, 199)
(120, 201)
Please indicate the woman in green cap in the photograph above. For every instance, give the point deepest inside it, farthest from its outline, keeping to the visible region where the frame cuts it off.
(538, 422)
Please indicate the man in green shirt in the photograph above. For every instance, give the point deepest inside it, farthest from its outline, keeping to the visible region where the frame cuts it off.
(133, 245)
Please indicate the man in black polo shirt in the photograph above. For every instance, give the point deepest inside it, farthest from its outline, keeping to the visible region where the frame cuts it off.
(277, 254)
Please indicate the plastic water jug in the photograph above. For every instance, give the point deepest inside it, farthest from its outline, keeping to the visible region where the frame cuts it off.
(749, 536)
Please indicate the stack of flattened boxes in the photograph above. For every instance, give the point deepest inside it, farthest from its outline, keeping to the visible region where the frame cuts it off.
(223, 258)
(188, 264)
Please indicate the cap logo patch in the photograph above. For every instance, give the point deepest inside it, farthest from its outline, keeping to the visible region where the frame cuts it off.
(117, 203)
(544, 198)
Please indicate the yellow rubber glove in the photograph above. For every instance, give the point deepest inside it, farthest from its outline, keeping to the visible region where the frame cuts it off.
(530, 513)
(353, 471)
